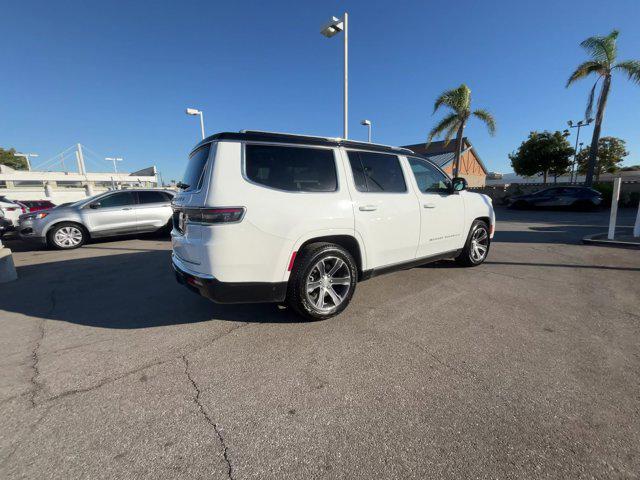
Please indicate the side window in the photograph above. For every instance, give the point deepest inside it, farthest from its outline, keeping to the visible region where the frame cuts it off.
(292, 169)
(377, 172)
(428, 177)
(119, 199)
(152, 197)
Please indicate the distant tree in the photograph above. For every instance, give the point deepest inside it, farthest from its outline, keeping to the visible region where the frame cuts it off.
(611, 151)
(8, 158)
(543, 154)
(603, 52)
(459, 101)
(631, 168)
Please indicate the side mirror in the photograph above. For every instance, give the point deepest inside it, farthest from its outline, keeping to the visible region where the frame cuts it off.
(459, 184)
(95, 205)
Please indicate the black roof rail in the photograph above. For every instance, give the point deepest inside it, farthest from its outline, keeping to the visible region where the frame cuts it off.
(276, 137)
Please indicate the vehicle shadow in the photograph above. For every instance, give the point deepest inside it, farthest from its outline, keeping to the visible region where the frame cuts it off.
(17, 245)
(123, 291)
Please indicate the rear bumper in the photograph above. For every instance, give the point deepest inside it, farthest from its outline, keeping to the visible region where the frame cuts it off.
(228, 292)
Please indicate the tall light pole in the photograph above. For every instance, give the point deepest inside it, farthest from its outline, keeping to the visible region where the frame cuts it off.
(579, 125)
(195, 111)
(367, 123)
(26, 156)
(331, 28)
(114, 160)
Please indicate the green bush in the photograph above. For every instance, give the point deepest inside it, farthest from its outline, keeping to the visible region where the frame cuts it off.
(606, 189)
(630, 199)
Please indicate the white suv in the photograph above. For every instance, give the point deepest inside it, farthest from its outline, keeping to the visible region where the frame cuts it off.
(268, 217)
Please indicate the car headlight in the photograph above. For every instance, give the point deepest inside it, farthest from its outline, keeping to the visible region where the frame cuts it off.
(35, 216)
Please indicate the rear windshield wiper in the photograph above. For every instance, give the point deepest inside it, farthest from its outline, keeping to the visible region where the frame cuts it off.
(182, 186)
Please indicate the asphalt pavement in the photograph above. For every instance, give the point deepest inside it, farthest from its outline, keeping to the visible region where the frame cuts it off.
(525, 367)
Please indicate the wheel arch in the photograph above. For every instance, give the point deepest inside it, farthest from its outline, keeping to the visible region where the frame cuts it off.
(50, 227)
(348, 242)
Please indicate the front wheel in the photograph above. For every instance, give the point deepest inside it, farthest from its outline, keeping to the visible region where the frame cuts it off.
(322, 282)
(476, 249)
(66, 236)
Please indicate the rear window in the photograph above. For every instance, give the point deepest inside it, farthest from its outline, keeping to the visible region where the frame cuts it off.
(293, 169)
(193, 175)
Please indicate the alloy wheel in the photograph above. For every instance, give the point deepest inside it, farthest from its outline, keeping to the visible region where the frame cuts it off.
(328, 283)
(67, 237)
(479, 244)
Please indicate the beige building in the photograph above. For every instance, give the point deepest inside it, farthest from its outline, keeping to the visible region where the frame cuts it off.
(471, 167)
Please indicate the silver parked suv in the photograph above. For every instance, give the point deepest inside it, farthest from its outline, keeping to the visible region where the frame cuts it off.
(122, 212)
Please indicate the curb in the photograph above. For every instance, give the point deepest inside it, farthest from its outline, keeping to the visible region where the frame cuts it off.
(626, 241)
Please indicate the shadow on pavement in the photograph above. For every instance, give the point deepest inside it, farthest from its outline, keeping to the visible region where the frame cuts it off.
(564, 265)
(567, 234)
(124, 291)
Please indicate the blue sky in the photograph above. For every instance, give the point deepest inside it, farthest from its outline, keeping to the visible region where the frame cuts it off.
(117, 75)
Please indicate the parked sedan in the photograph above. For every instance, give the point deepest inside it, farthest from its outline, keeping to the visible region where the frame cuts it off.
(582, 198)
(122, 212)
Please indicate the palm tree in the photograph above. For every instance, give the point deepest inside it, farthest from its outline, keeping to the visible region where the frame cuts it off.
(603, 52)
(459, 101)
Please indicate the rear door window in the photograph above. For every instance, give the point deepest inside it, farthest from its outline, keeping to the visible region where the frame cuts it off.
(292, 169)
(377, 172)
(194, 173)
(152, 197)
(119, 199)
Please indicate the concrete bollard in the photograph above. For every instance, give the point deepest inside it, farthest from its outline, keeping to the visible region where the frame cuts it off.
(7, 268)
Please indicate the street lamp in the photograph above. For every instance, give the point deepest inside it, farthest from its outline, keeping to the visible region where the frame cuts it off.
(331, 28)
(195, 111)
(579, 125)
(367, 123)
(26, 156)
(114, 160)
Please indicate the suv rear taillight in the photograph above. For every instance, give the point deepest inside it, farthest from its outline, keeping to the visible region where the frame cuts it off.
(212, 216)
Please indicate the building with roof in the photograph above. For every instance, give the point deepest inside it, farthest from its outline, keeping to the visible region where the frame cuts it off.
(62, 187)
(442, 154)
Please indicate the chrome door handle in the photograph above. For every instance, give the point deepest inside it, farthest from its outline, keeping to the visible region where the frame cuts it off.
(429, 205)
(126, 208)
(368, 208)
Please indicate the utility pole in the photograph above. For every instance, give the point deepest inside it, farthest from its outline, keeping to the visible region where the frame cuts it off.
(579, 125)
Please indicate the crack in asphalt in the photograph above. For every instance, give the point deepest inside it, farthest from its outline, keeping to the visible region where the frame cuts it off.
(108, 380)
(36, 386)
(21, 439)
(128, 373)
(216, 428)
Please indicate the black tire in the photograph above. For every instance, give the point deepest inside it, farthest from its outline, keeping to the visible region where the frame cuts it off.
(468, 258)
(54, 242)
(305, 272)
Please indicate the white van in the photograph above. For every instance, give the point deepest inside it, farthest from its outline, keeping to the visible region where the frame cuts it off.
(270, 217)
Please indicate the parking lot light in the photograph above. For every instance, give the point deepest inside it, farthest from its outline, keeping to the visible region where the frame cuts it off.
(26, 156)
(114, 160)
(330, 29)
(194, 112)
(367, 123)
